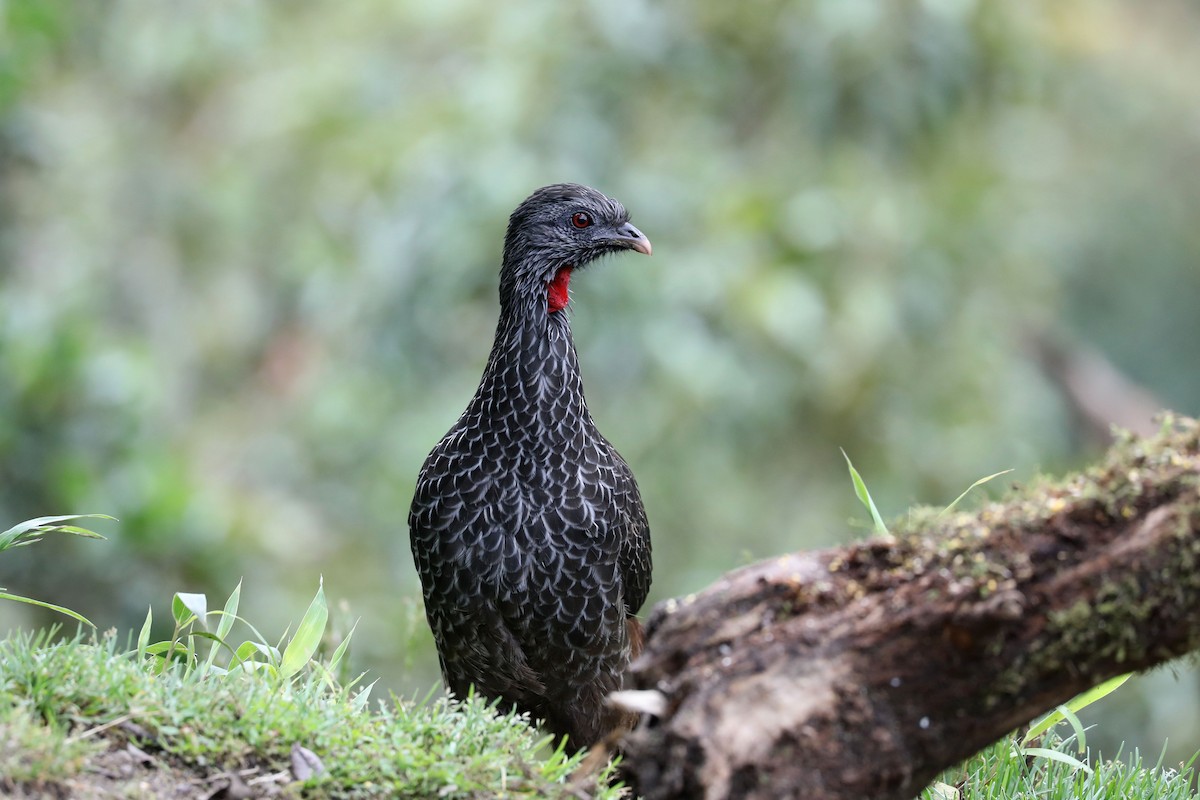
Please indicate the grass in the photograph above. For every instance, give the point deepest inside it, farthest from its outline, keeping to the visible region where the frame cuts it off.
(1048, 765)
(33, 531)
(1006, 771)
(67, 708)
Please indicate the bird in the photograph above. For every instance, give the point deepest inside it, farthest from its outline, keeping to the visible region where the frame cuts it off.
(527, 527)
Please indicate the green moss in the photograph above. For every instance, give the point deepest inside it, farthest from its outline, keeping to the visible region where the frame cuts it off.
(51, 693)
(31, 749)
(972, 557)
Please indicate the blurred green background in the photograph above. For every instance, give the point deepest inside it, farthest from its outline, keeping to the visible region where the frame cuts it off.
(249, 252)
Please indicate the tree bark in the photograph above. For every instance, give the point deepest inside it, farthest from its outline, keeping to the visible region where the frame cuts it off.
(863, 671)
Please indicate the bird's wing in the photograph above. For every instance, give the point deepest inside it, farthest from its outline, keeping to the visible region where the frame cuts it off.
(448, 530)
(635, 556)
(633, 532)
(457, 548)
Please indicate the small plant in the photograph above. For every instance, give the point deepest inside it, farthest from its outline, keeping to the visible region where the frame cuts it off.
(1062, 768)
(34, 530)
(1068, 712)
(279, 663)
(864, 496)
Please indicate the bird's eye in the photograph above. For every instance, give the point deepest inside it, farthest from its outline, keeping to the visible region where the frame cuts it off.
(581, 220)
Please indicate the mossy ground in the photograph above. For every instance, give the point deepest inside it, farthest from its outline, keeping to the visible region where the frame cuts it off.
(85, 718)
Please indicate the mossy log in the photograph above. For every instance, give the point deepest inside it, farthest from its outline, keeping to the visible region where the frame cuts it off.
(861, 672)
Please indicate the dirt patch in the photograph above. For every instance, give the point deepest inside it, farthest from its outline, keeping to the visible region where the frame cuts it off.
(127, 772)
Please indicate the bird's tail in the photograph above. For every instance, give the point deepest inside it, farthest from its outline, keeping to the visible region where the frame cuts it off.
(637, 636)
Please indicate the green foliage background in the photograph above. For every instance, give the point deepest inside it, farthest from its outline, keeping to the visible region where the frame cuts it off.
(248, 255)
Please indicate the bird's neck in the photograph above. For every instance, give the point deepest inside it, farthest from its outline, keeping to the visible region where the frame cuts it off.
(532, 375)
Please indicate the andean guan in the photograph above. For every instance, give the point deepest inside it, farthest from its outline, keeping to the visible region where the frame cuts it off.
(527, 527)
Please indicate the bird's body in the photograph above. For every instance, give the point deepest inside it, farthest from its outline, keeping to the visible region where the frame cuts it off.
(527, 527)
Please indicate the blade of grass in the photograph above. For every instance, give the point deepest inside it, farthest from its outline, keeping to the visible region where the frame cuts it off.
(228, 617)
(364, 696)
(1077, 726)
(75, 530)
(72, 614)
(308, 635)
(979, 482)
(340, 651)
(1054, 755)
(47, 524)
(165, 649)
(860, 488)
(144, 635)
(1074, 705)
(248, 649)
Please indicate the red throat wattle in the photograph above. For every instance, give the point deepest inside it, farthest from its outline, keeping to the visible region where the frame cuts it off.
(556, 291)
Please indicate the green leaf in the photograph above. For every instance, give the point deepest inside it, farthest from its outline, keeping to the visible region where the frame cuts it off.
(60, 609)
(212, 637)
(246, 661)
(229, 613)
(75, 530)
(256, 667)
(228, 617)
(1077, 726)
(189, 605)
(341, 648)
(1054, 755)
(144, 635)
(860, 488)
(28, 539)
(37, 522)
(165, 647)
(364, 696)
(1075, 704)
(979, 482)
(248, 649)
(45, 524)
(300, 649)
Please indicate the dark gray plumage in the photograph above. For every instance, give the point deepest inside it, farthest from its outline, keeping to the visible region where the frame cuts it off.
(527, 527)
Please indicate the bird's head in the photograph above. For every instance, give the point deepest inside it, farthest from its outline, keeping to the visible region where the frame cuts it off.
(558, 229)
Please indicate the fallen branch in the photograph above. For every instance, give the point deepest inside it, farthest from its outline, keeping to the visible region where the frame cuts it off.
(861, 672)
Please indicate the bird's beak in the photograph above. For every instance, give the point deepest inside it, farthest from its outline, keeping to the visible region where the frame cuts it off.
(631, 237)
